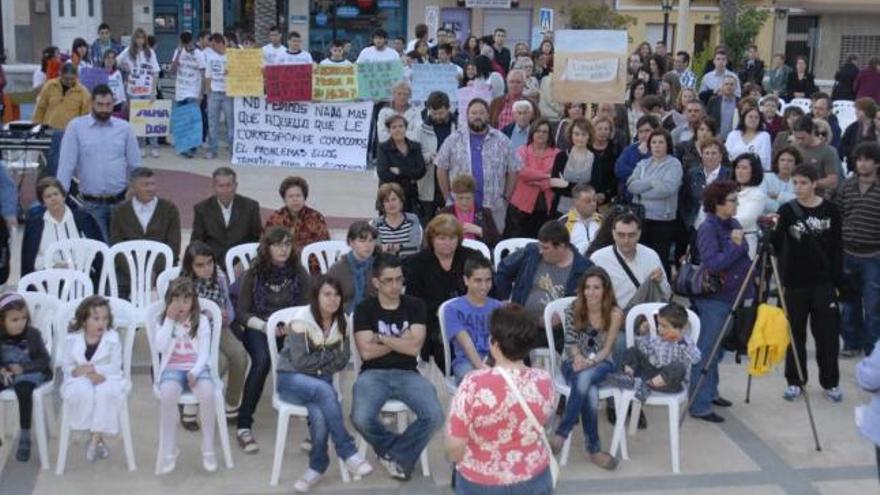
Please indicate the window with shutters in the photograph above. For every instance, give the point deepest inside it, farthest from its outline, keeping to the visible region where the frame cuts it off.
(865, 46)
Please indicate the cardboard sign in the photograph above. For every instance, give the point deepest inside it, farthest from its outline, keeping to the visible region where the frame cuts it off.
(150, 118)
(336, 82)
(427, 78)
(468, 93)
(375, 79)
(244, 72)
(140, 81)
(90, 77)
(590, 66)
(289, 83)
(330, 136)
(186, 126)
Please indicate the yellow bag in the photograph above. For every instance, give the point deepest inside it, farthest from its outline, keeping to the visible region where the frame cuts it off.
(769, 340)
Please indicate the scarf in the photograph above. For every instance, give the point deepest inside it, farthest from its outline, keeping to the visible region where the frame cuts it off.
(572, 218)
(360, 271)
(209, 288)
(279, 280)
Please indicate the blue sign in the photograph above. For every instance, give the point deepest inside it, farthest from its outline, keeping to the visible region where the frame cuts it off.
(347, 11)
(186, 126)
(546, 20)
(321, 19)
(389, 4)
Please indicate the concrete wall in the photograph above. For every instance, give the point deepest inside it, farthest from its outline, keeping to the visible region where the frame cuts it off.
(831, 28)
(118, 15)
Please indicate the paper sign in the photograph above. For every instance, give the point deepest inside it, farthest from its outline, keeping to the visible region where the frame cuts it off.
(245, 72)
(591, 66)
(468, 93)
(432, 19)
(186, 127)
(289, 83)
(375, 79)
(427, 78)
(594, 71)
(150, 118)
(140, 81)
(90, 77)
(336, 82)
(330, 136)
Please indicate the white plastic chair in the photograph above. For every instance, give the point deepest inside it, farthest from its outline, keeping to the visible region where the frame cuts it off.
(164, 279)
(803, 103)
(448, 377)
(153, 313)
(846, 115)
(124, 317)
(842, 104)
(478, 246)
(43, 309)
(508, 246)
(286, 409)
(244, 254)
(140, 258)
(80, 255)
(61, 283)
(395, 407)
(557, 308)
(672, 401)
(327, 252)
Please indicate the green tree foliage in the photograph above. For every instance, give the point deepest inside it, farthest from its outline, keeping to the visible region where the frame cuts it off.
(739, 34)
(599, 16)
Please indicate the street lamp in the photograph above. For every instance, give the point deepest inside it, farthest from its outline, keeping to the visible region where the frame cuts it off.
(666, 5)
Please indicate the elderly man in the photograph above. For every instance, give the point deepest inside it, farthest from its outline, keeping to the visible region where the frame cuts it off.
(227, 218)
(693, 114)
(484, 153)
(582, 220)
(501, 110)
(714, 80)
(722, 107)
(518, 130)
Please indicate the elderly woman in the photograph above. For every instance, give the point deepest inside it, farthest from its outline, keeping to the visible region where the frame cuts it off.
(494, 444)
(748, 175)
(860, 130)
(531, 86)
(353, 270)
(400, 232)
(50, 221)
(400, 105)
(305, 224)
(777, 185)
(435, 274)
(605, 149)
(400, 160)
(531, 203)
(477, 223)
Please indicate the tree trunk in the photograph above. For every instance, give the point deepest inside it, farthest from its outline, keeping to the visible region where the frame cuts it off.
(265, 16)
(729, 10)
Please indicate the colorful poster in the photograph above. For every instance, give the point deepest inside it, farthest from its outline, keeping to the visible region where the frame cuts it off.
(140, 81)
(289, 83)
(150, 118)
(330, 136)
(427, 78)
(468, 93)
(245, 72)
(590, 66)
(335, 82)
(186, 127)
(375, 79)
(91, 77)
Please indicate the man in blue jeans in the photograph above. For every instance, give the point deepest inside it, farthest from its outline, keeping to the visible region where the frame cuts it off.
(389, 333)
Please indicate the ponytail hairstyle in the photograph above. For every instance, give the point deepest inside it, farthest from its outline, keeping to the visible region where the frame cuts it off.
(183, 287)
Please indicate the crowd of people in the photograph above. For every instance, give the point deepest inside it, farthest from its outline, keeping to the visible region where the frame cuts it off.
(615, 197)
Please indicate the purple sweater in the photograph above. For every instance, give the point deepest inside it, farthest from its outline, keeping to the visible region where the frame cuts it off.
(720, 255)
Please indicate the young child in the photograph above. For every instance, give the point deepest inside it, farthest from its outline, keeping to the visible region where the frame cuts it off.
(116, 84)
(659, 362)
(25, 363)
(93, 385)
(184, 343)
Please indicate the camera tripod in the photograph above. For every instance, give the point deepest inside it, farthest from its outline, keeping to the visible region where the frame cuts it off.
(766, 257)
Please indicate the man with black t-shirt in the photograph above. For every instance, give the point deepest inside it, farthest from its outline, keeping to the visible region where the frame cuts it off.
(389, 333)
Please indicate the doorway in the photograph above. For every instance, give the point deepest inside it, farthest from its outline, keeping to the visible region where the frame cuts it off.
(72, 19)
(517, 22)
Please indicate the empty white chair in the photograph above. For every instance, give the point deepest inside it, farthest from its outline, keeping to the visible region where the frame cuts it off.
(140, 258)
(164, 279)
(803, 103)
(846, 115)
(478, 246)
(671, 401)
(326, 252)
(80, 255)
(125, 321)
(153, 313)
(842, 104)
(508, 246)
(63, 284)
(286, 409)
(552, 365)
(243, 254)
(448, 378)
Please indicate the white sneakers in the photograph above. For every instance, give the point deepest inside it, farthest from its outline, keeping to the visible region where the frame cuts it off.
(357, 465)
(309, 479)
(209, 461)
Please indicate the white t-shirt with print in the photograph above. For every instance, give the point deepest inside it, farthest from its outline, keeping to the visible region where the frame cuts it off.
(190, 73)
(142, 71)
(290, 58)
(271, 54)
(216, 70)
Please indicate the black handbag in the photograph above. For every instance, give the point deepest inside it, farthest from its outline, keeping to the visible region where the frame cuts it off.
(695, 280)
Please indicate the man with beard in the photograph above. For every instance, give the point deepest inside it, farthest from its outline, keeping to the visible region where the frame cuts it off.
(484, 153)
(100, 151)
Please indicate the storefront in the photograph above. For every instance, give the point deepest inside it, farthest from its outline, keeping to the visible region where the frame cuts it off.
(354, 21)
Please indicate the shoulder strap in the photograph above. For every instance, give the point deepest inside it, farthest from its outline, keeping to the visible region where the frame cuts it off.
(625, 267)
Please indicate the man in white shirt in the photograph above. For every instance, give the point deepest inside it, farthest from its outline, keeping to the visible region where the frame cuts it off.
(218, 102)
(421, 35)
(713, 80)
(379, 51)
(189, 64)
(693, 114)
(274, 49)
(337, 55)
(294, 55)
(582, 220)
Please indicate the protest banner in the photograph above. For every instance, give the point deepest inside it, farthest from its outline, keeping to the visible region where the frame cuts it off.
(427, 78)
(150, 118)
(289, 83)
(375, 79)
(330, 136)
(244, 72)
(140, 81)
(90, 77)
(589, 65)
(186, 126)
(468, 93)
(337, 82)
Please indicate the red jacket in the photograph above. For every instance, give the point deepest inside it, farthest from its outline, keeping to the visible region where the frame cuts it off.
(868, 83)
(533, 179)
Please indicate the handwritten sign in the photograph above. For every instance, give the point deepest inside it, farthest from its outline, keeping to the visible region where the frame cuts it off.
(140, 80)
(336, 82)
(186, 127)
(427, 78)
(468, 93)
(245, 72)
(330, 136)
(90, 77)
(289, 83)
(150, 118)
(375, 79)
(594, 71)
(591, 66)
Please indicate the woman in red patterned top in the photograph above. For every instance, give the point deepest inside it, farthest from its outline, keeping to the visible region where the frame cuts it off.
(496, 447)
(305, 224)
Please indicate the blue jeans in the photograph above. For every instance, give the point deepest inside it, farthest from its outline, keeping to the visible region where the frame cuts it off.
(258, 349)
(461, 368)
(712, 314)
(102, 213)
(179, 376)
(541, 484)
(861, 317)
(325, 415)
(219, 104)
(54, 153)
(152, 141)
(375, 387)
(584, 402)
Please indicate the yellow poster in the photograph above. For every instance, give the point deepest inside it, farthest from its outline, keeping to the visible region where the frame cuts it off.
(244, 72)
(336, 82)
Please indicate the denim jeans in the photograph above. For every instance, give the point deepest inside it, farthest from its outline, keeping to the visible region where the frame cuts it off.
(180, 376)
(142, 141)
(712, 314)
(460, 369)
(219, 104)
(54, 154)
(258, 349)
(861, 317)
(102, 213)
(326, 419)
(541, 484)
(584, 402)
(375, 387)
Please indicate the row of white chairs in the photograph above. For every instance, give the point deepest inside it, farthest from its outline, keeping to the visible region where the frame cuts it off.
(844, 110)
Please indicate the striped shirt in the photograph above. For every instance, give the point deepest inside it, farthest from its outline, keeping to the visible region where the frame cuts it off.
(861, 217)
(407, 235)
